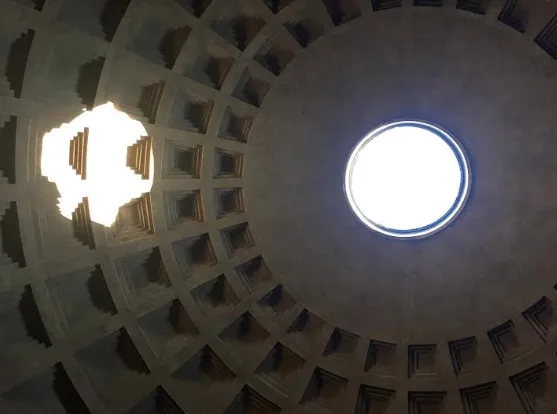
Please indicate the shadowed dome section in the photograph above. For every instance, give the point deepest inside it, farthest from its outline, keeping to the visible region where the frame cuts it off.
(242, 282)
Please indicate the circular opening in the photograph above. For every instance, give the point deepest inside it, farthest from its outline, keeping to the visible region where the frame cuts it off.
(407, 179)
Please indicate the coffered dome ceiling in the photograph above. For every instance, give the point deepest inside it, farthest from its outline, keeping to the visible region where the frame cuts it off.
(243, 282)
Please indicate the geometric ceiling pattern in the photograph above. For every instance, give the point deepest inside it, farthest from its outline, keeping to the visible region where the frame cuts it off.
(173, 309)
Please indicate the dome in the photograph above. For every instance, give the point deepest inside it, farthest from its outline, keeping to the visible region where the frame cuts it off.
(243, 281)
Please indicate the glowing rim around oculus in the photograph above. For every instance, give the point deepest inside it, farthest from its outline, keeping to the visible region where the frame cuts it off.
(444, 220)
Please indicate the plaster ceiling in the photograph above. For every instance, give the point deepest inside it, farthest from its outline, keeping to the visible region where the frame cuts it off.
(243, 283)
